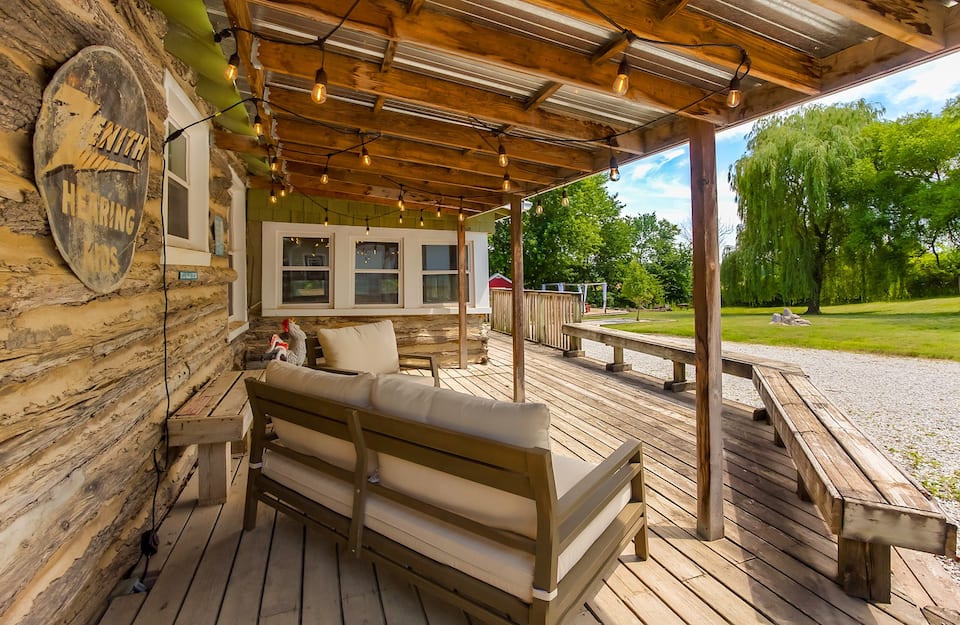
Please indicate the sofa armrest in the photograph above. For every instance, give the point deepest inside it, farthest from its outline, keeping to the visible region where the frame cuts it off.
(588, 497)
(314, 352)
(427, 361)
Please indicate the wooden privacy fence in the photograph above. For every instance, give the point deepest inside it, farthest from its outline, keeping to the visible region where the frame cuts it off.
(545, 312)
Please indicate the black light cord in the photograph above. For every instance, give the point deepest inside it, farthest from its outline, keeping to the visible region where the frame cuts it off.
(319, 41)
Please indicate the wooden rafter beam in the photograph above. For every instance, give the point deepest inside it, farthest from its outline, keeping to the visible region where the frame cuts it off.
(772, 61)
(383, 193)
(437, 94)
(325, 141)
(409, 174)
(388, 55)
(431, 131)
(438, 31)
(610, 49)
(669, 8)
(541, 96)
(414, 7)
(238, 13)
(917, 23)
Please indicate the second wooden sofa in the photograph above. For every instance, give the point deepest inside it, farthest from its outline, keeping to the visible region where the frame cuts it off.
(460, 495)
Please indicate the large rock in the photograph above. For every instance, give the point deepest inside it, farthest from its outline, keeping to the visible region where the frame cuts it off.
(788, 318)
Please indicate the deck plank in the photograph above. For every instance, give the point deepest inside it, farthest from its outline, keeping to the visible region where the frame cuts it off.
(241, 602)
(321, 580)
(359, 593)
(281, 589)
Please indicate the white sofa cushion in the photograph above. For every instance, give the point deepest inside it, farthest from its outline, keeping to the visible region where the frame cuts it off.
(523, 425)
(353, 390)
(508, 569)
(366, 347)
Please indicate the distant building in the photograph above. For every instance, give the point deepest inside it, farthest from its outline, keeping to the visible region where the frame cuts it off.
(500, 281)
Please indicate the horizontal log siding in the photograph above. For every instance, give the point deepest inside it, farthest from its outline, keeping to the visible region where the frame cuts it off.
(545, 312)
(81, 381)
(416, 334)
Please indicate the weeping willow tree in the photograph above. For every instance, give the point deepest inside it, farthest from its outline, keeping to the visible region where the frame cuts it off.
(791, 202)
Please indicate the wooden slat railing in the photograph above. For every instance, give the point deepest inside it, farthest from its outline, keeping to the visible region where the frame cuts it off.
(545, 312)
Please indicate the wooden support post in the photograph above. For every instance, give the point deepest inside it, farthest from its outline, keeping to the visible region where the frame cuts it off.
(462, 291)
(618, 364)
(777, 440)
(706, 304)
(761, 414)
(802, 491)
(519, 323)
(864, 569)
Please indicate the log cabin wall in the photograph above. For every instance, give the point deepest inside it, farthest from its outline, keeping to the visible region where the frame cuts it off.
(82, 397)
(431, 334)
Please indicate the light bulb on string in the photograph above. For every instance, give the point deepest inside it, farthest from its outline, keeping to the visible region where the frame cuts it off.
(365, 156)
(502, 157)
(460, 212)
(274, 164)
(421, 218)
(622, 82)
(258, 125)
(614, 167)
(325, 176)
(400, 203)
(368, 225)
(273, 195)
(400, 219)
(319, 92)
(233, 67)
(734, 95)
(506, 185)
(326, 217)
(564, 200)
(539, 208)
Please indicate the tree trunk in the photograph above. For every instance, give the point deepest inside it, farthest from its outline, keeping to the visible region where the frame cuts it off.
(813, 304)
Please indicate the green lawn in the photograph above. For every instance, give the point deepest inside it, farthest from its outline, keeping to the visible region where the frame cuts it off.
(927, 328)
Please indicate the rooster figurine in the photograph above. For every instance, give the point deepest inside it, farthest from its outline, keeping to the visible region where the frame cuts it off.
(297, 347)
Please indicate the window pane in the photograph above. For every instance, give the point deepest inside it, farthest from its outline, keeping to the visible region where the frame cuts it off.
(306, 252)
(377, 288)
(306, 287)
(374, 255)
(177, 155)
(440, 289)
(178, 210)
(441, 258)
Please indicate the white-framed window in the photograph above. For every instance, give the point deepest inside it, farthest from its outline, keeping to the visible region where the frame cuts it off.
(237, 254)
(186, 192)
(312, 269)
(438, 269)
(305, 276)
(376, 273)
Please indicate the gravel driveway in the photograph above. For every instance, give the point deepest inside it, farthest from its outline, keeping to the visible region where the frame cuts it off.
(909, 406)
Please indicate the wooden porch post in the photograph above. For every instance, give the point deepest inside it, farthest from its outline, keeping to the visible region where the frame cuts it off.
(516, 244)
(462, 291)
(706, 305)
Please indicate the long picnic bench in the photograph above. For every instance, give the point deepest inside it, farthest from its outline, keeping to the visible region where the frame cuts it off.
(866, 499)
(679, 350)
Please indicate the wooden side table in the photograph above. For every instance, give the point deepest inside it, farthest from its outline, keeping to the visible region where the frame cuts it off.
(216, 415)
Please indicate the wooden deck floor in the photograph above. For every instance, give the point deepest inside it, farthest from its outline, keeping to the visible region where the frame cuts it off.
(774, 566)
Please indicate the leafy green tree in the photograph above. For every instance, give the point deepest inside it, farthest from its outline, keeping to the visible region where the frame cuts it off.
(640, 287)
(664, 256)
(791, 200)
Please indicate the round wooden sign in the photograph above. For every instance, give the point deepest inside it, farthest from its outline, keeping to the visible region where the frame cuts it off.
(91, 160)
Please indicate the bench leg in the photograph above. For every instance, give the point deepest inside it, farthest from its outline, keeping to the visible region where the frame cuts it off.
(618, 364)
(864, 569)
(760, 414)
(213, 466)
(802, 491)
(776, 438)
(679, 382)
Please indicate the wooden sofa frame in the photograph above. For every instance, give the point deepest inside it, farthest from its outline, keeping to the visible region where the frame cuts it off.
(407, 360)
(525, 472)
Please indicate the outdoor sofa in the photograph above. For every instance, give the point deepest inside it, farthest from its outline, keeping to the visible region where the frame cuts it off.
(458, 494)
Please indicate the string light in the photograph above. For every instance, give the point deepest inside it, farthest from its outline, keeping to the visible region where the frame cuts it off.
(273, 195)
(326, 217)
(439, 202)
(421, 218)
(400, 204)
(460, 212)
(502, 157)
(539, 208)
(283, 192)
(258, 125)
(368, 225)
(614, 167)
(400, 219)
(622, 82)
(564, 200)
(506, 182)
(325, 176)
(734, 95)
(364, 155)
(233, 67)
(319, 92)
(274, 165)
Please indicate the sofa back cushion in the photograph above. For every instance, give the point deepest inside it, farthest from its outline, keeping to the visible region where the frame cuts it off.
(524, 425)
(353, 390)
(366, 347)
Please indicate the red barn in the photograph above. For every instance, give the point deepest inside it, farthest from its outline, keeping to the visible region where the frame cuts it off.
(500, 281)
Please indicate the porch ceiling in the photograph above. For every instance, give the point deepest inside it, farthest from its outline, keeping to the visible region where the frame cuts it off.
(433, 87)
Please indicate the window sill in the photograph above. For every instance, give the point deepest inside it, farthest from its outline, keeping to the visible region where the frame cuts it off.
(184, 256)
(236, 330)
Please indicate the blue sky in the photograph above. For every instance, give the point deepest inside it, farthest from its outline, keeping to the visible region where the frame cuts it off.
(661, 183)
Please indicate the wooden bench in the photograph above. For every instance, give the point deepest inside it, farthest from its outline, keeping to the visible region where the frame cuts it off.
(217, 415)
(427, 362)
(866, 499)
(679, 350)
